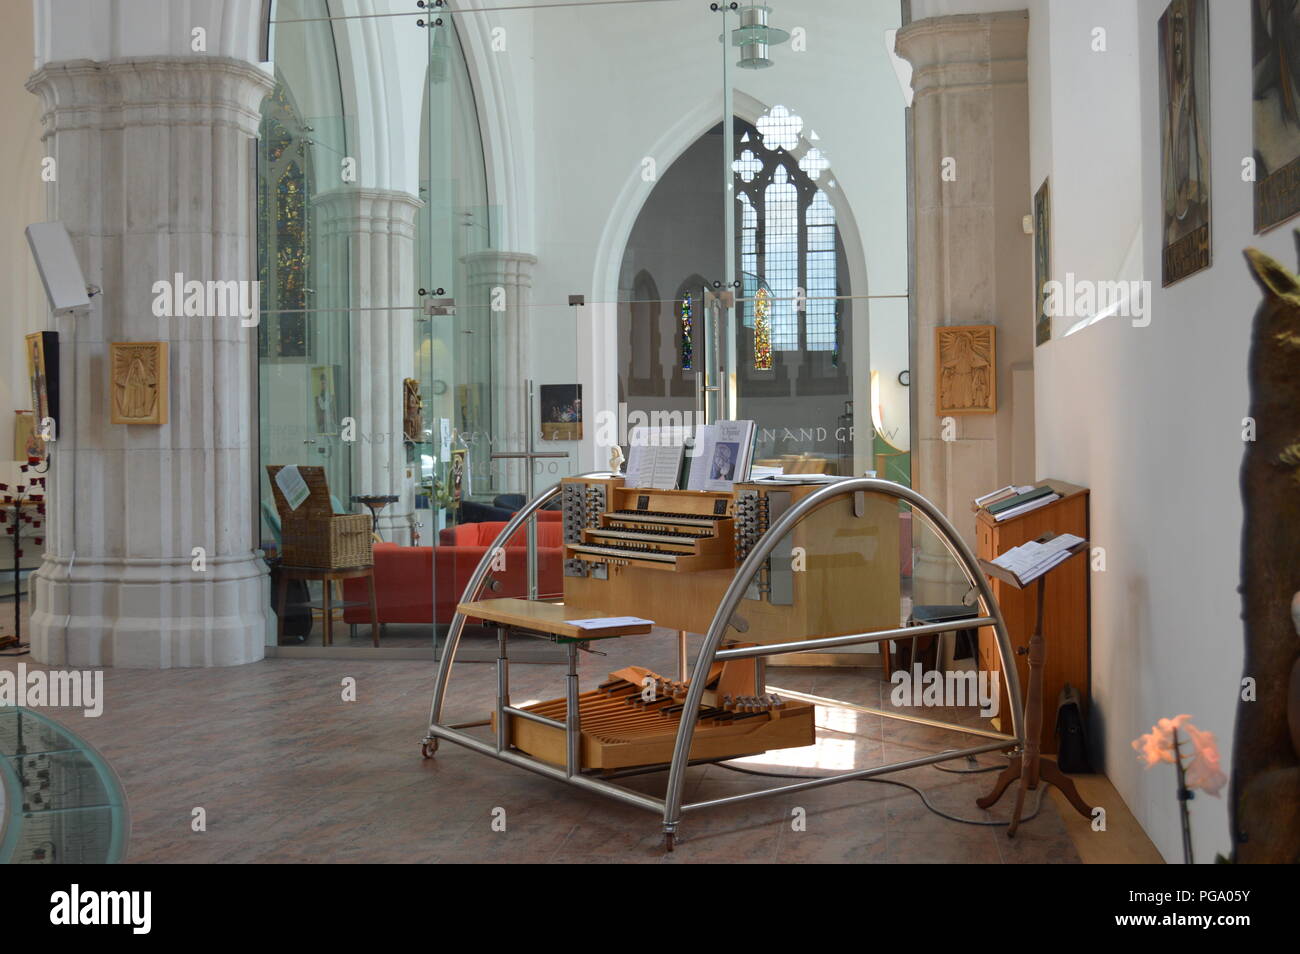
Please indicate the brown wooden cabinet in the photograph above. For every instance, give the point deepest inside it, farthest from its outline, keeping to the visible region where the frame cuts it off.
(1066, 623)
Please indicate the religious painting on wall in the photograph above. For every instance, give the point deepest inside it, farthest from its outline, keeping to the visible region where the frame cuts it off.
(412, 411)
(1184, 64)
(323, 392)
(43, 374)
(1275, 39)
(561, 412)
(967, 370)
(138, 379)
(1042, 264)
(27, 442)
(459, 474)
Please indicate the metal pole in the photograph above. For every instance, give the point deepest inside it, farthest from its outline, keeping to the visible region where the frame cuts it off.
(472, 589)
(503, 688)
(572, 726)
(749, 569)
(727, 404)
(528, 491)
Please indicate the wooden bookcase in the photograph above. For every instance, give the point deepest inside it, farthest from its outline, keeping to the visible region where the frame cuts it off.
(1066, 621)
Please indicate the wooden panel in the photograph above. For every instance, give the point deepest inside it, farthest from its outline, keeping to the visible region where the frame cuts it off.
(850, 583)
(634, 738)
(1065, 612)
(546, 618)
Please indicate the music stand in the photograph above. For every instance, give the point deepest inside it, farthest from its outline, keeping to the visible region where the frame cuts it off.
(1030, 765)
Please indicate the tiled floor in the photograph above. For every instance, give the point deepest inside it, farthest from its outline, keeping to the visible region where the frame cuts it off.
(287, 771)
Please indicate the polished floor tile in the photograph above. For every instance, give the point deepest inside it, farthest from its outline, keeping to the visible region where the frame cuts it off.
(287, 771)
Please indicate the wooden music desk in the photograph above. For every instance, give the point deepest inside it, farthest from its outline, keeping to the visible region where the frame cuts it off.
(1030, 766)
(549, 619)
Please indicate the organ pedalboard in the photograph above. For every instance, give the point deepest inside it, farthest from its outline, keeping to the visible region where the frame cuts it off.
(632, 720)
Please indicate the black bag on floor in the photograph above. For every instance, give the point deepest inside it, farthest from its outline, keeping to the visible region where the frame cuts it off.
(1071, 740)
(297, 615)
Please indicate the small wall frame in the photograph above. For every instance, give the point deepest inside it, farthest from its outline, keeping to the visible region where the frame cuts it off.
(966, 370)
(138, 392)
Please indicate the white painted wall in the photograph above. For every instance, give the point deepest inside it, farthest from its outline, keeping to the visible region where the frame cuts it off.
(1149, 418)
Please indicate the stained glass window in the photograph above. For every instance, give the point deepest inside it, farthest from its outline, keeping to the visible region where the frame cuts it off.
(687, 332)
(283, 240)
(762, 332)
(787, 236)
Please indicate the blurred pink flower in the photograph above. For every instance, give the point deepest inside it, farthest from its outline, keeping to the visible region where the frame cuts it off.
(1158, 744)
(1200, 769)
(1203, 770)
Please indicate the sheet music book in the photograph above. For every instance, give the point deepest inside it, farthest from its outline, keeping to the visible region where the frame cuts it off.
(1031, 560)
(610, 622)
(723, 454)
(654, 459)
(1025, 507)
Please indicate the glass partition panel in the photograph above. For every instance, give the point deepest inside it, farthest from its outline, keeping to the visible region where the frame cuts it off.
(485, 233)
(819, 185)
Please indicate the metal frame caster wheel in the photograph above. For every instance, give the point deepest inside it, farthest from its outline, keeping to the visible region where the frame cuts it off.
(670, 840)
(428, 747)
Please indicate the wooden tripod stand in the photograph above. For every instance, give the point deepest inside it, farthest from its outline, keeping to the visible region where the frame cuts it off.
(1030, 766)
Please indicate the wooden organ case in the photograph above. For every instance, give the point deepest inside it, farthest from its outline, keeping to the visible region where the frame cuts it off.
(669, 555)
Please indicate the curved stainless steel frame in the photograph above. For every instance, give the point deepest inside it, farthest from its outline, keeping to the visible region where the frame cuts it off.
(749, 569)
(472, 590)
(671, 805)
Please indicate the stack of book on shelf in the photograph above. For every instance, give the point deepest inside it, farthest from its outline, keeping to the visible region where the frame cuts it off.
(1031, 560)
(1013, 501)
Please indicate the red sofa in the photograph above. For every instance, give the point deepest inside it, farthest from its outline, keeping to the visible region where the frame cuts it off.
(408, 578)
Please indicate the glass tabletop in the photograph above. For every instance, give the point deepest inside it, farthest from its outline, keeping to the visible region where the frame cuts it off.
(60, 802)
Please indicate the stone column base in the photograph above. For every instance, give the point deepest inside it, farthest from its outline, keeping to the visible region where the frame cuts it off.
(144, 615)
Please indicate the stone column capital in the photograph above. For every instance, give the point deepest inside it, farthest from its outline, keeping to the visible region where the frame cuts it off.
(364, 209)
(493, 266)
(978, 50)
(168, 91)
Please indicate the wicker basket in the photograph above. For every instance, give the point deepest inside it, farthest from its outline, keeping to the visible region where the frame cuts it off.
(314, 535)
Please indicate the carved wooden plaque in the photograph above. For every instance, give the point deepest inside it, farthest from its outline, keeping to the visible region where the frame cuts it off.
(966, 360)
(138, 382)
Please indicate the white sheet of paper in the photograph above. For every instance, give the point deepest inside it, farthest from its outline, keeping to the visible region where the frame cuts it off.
(444, 425)
(292, 486)
(609, 622)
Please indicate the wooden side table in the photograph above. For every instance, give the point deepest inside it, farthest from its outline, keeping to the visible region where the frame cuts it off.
(328, 576)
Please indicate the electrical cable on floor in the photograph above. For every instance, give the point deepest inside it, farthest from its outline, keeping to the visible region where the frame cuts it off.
(1038, 802)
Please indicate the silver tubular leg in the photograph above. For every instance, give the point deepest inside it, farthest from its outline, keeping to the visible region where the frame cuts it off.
(472, 590)
(503, 688)
(681, 655)
(960, 551)
(572, 726)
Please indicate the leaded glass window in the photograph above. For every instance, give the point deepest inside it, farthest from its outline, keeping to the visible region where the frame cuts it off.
(284, 241)
(787, 235)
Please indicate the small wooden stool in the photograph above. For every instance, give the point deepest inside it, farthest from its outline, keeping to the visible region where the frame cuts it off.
(328, 576)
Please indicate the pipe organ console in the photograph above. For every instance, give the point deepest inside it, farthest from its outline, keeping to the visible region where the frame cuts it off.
(669, 555)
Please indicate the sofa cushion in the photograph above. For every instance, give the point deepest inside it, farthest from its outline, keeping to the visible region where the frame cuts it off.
(549, 535)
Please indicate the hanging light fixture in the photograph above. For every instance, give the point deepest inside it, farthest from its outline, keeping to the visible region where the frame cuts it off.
(755, 37)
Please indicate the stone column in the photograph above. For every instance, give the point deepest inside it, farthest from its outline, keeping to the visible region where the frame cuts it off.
(150, 558)
(973, 260)
(367, 249)
(496, 307)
